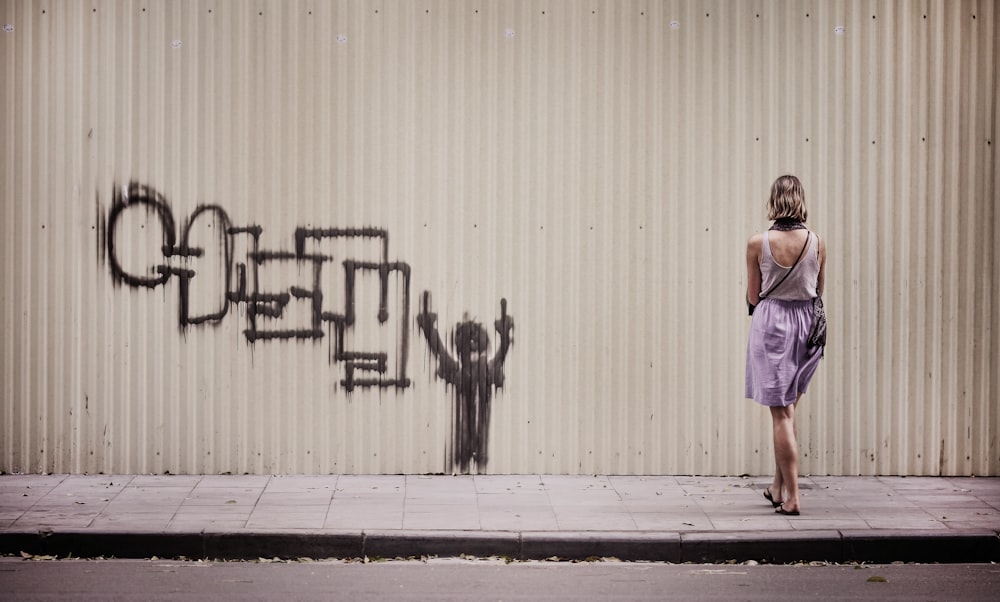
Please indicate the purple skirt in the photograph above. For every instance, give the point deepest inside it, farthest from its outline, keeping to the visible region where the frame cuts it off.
(779, 362)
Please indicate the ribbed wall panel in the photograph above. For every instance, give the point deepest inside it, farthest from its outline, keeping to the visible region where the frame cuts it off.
(598, 164)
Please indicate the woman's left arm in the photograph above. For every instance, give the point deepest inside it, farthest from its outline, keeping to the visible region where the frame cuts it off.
(821, 281)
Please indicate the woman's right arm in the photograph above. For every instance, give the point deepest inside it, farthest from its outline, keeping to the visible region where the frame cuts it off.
(754, 249)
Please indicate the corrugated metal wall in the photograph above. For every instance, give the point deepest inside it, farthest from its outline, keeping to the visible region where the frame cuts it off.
(225, 227)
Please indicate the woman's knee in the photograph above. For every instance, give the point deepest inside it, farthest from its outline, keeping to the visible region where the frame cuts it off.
(783, 412)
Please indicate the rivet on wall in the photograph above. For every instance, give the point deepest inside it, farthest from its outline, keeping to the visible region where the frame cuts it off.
(675, 25)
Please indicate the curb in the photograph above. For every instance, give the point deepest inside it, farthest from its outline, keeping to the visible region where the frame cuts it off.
(922, 546)
(583, 545)
(698, 547)
(404, 544)
(764, 546)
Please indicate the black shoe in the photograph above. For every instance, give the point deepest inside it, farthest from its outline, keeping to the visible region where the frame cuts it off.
(781, 510)
(767, 496)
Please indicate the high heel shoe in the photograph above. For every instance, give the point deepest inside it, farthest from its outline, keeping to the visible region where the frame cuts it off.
(768, 497)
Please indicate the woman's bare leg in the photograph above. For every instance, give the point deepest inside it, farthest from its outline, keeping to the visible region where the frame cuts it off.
(778, 482)
(786, 455)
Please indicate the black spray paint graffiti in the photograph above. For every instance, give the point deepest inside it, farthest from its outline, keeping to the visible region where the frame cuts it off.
(276, 307)
(300, 294)
(473, 377)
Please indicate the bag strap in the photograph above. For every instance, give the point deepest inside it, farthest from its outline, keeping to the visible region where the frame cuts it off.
(788, 273)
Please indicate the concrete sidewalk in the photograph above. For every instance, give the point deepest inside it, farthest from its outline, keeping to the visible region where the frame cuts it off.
(674, 519)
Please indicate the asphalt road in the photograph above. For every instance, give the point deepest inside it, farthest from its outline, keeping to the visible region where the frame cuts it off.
(466, 579)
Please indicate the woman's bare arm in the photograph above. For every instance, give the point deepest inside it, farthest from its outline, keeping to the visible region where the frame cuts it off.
(821, 284)
(754, 249)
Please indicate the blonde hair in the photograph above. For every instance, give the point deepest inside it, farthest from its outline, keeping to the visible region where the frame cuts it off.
(788, 199)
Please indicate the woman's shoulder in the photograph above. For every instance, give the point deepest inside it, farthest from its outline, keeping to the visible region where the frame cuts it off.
(755, 245)
(820, 243)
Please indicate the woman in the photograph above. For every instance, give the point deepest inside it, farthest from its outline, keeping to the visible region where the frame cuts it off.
(785, 271)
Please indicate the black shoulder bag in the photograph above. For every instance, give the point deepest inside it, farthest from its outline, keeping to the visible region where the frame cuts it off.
(817, 334)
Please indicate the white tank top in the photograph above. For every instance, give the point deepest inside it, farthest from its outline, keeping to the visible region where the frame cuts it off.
(801, 283)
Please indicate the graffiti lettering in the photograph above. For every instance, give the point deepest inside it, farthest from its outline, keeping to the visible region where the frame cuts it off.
(279, 303)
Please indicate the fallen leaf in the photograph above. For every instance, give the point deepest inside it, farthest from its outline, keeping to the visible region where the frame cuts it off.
(877, 579)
